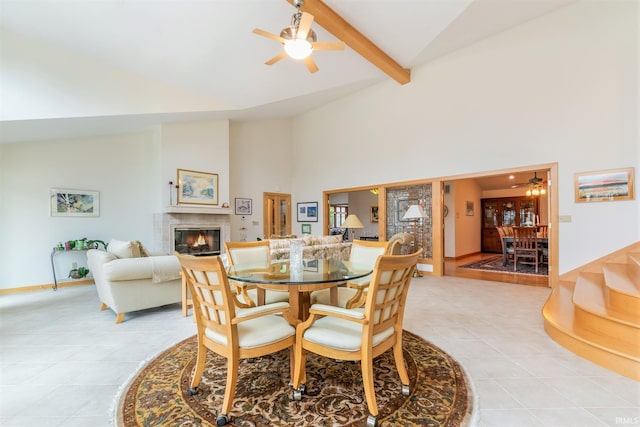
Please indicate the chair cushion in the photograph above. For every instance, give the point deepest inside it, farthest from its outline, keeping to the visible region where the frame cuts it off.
(341, 334)
(257, 332)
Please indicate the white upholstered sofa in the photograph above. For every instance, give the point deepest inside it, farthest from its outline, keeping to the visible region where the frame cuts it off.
(129, 279)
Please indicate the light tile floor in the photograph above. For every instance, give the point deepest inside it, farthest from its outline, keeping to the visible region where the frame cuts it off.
(62, 360)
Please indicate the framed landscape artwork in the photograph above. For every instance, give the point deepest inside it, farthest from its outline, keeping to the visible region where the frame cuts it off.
(604, 186)
(82, 203)
(307, 212)
(197, 188)
(306, 228)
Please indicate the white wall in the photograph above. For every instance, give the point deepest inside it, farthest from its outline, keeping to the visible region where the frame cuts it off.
(562, 88)
(119, 167)
(131, 173)
(261, 159)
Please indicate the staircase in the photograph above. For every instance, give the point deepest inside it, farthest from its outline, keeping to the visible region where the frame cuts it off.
(595, 311)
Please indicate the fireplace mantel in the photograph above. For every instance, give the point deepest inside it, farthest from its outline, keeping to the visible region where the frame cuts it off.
(205, 210)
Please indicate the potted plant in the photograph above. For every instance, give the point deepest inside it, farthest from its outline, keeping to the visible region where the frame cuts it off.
(79, 273)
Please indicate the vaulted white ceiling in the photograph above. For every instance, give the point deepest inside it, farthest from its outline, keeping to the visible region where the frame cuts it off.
(80, 66)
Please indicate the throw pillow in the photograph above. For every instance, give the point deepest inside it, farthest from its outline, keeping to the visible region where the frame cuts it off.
(142, 251)
(122, 249)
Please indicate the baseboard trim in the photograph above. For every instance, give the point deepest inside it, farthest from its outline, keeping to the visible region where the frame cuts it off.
(49, 286)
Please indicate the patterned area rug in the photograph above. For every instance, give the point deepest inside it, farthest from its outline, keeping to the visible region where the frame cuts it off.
(495, 264)
(157, 395)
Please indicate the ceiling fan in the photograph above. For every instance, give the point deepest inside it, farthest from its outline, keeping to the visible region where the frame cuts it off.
(535, 181)
(535, 186)
(299, 39)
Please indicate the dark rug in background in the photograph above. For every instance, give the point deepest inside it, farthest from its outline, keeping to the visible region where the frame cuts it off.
(495, 264)
(157, 395)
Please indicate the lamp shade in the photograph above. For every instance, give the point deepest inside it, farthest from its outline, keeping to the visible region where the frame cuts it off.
(414, 212)
(352, 221)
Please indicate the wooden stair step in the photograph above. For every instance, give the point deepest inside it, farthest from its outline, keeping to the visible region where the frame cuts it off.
(596, 322)
(558, 313)
(623, 295)
(633, 264)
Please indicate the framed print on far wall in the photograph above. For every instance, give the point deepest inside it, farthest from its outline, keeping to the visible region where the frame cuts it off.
(197, 188)
(84, 203)
(243, 206)
(374, 214)
(306, 228)
(307, 212)
(604, 186)
(469, 208)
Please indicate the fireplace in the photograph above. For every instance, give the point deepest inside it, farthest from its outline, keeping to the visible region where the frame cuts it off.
(197, 240)
(173, 227)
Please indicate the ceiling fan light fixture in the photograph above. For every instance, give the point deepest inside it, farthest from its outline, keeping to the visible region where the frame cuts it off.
(298, 49)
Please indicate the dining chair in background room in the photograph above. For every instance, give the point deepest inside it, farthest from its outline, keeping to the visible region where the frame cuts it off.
(361, 334)
(525, 247)
(233, 333)
(353, 294)
(543, 232)
(506, 247)
(252, 255)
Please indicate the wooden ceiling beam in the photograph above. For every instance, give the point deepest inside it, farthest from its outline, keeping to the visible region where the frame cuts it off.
(342, 30)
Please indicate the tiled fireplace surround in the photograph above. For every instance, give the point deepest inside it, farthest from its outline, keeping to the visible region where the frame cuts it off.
(165, 223)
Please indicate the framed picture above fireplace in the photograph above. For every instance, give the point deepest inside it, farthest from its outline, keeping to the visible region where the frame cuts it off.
(197, 188)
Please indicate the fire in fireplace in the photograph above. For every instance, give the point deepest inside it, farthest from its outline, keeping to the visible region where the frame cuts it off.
(197, 241)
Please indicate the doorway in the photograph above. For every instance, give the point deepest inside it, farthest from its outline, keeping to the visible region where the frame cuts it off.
(277, 214)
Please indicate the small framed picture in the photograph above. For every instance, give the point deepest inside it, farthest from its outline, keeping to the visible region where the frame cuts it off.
(306, 228)
(374, 214)
(243, 206)
(470, 208)
(604, 186)
(308, 211)
(65, 202)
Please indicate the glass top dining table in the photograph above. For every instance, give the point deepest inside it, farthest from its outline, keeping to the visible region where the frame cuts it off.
(300, 280)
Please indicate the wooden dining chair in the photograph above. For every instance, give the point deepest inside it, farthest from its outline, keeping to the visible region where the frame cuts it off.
(230, 332)
(361, 334)
(252, 255)
(353, 294)
(543, 232)
(506, 247)
(525, 247)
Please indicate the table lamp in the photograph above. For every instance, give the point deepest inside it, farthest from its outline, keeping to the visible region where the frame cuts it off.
(352, 221)
(415, 213)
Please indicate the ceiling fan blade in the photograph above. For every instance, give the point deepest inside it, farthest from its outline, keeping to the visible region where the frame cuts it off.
(328, 45)
(311, 65)
(268, 35)
(276, 58)
(305, 26)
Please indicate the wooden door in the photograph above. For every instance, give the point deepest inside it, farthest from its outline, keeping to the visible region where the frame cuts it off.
(277, 214)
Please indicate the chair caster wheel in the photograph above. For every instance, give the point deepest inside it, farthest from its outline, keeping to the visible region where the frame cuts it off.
(222, 420)
(405, 390)
(372, 421)
(297, 393)
(192, 391)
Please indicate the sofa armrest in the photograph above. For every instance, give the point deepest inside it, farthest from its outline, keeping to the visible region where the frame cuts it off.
(158, 268)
